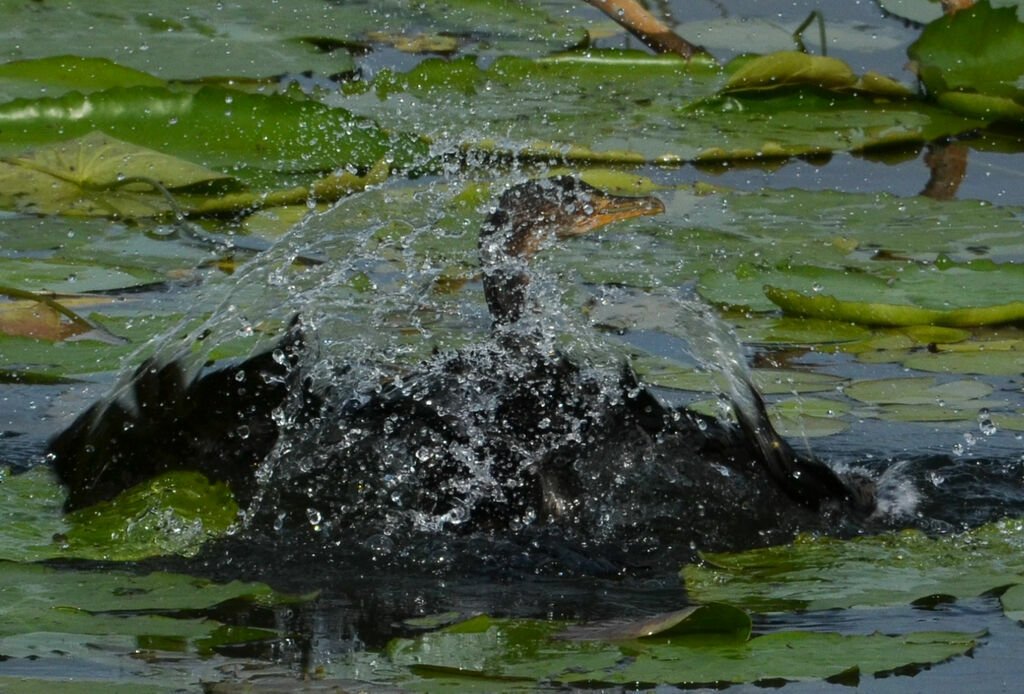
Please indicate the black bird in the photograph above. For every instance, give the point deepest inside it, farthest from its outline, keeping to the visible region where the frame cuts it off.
(508, 443)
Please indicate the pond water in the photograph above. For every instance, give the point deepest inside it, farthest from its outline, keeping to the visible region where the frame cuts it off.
(944, 444)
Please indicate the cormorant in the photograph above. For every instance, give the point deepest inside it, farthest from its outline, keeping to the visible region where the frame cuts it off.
(508, 440)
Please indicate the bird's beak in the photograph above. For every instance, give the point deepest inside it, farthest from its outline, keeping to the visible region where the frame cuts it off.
(604, 209)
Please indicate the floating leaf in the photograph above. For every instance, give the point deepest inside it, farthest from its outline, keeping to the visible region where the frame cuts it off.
(96, 175)
(668, 374)
(182, 40)
(789, 330)
(31, 514)
(174, 513)
(992, 362)
(888, 569)
(677, 118)
(920, 11)
(941, 293)
(214, 127)
(791, 68)
(71, 72)
(916, 391)
(521, 654)
(828, 307)
(1013, 602)
(950, 58)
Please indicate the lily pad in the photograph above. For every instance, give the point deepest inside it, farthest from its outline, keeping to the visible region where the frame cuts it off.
(920, 11)
(42, 599)
(949, 57)
(872, 313)
(794, 418)
(943, 293)
(1013, 602)
(521, 654)
(214, 127)
(817, 573)
(791, 68)
(668, 374)
(31, 514)
(916, 391)
(24, 78)
(717, 619)
(181, 41)
(174, 513)
(96, 175)
(679, 118)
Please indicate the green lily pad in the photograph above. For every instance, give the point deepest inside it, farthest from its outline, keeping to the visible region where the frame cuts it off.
(23, 78)
(788, 330)
(906, 337)
(872, 313)
(181, 41)
(213, 127)
(678, 118)
(667, 374)
(22, 685)
(516, 655)
(87, 356)
(944, 293)
(917, 391)
(791, 68)
(949, 57)
(716, 620)
(96, 175)
(787, 656)
(31, 514)
(39, 599)
(795, 418)
(1013, 602)
(934, 413)
(985, 357)
(991, 363)
(174, 513)
(893, 568)
(69, 277)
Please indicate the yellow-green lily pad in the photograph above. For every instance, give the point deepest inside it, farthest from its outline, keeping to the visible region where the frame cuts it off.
(97, 175)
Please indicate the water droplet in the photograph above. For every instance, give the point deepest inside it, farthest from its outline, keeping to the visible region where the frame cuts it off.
(314, 518)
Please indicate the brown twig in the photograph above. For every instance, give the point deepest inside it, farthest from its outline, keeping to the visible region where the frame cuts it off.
(646, 27)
